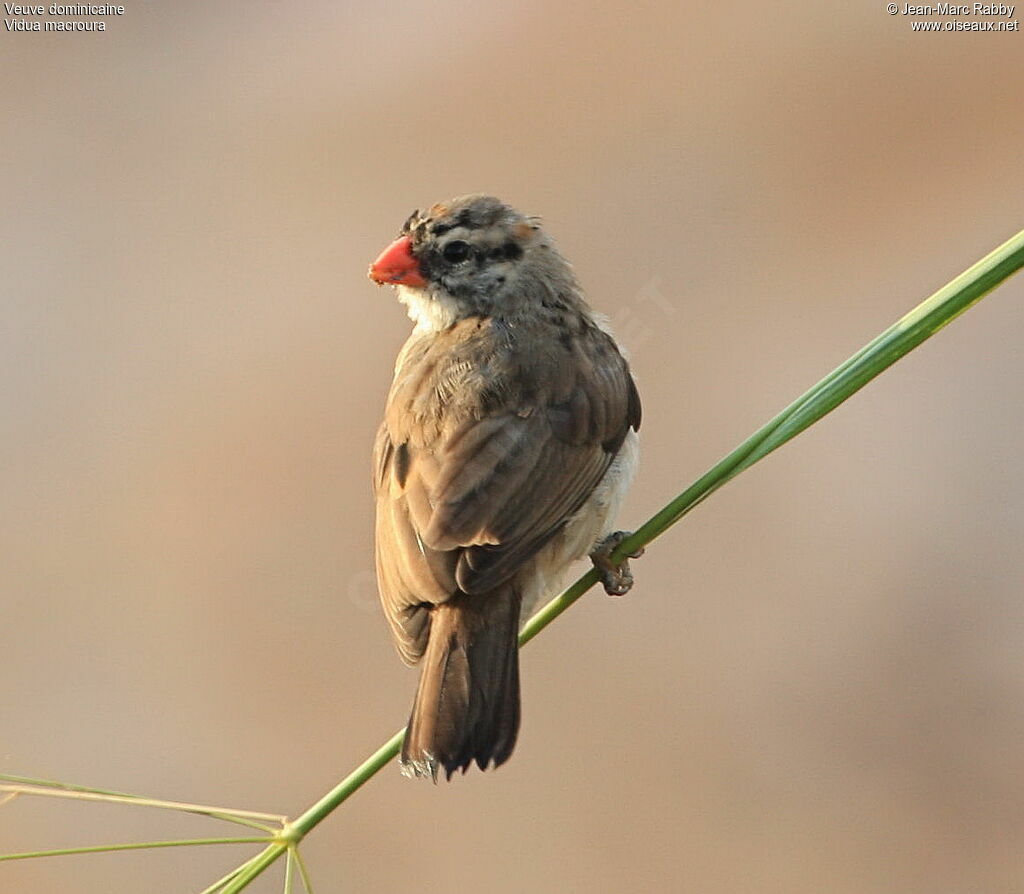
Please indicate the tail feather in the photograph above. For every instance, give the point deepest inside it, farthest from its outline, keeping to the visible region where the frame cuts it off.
(467, 702)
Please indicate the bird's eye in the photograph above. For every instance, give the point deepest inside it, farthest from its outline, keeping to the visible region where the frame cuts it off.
(455, 252)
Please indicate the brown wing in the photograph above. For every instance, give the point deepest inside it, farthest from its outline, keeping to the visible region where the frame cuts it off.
(482, 458)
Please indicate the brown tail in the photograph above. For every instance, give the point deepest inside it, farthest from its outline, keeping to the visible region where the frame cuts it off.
(467, 703)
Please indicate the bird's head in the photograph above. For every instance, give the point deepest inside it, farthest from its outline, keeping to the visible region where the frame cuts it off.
(471, 256)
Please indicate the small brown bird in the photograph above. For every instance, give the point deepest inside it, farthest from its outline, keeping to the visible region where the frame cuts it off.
(507, 444)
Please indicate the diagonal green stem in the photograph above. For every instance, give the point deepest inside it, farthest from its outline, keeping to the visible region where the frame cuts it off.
(900, 338)
(294, 832)
(846, 380)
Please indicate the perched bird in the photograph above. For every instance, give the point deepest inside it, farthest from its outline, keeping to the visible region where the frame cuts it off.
(507, 444)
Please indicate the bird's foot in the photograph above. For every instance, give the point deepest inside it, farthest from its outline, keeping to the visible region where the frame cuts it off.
(616, 577)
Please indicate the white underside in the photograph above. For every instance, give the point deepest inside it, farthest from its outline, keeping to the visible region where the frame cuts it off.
(594, 521)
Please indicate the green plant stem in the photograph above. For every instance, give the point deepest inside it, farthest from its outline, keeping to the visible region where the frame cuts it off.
(289, 865)
(843, 382)
(879, 354)
(307, 882)
(131, 846)
(13, 786)
(218, 886)
(294, 832)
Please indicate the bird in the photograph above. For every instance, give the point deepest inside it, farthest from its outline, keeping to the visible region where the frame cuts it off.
(508, 442)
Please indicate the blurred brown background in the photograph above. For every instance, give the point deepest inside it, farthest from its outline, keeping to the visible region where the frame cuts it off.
(818, 683)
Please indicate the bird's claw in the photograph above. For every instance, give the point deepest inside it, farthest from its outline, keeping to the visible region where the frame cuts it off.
(616, 577)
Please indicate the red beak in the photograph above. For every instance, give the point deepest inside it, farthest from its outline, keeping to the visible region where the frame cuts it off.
(396, 265)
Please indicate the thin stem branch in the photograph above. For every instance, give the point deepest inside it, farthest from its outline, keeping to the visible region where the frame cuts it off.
(23, 785)
(289, 867)
(130, 846)
(307, 882)
(218, 885)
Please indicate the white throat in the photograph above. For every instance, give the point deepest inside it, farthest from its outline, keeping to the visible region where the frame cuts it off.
(430, 311)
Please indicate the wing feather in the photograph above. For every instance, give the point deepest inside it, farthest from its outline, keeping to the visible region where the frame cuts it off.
(484, 455)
